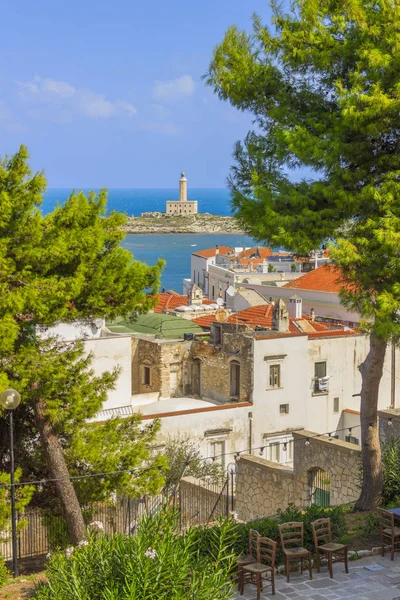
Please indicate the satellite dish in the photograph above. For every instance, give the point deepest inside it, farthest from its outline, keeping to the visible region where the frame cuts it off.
(220, 302)
(221, 315)
(231, 291)
(98, 323)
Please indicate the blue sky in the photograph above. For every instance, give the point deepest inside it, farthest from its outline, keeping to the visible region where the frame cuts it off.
(109, 93)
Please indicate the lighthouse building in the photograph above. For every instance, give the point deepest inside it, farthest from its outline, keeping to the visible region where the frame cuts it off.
(183, 206)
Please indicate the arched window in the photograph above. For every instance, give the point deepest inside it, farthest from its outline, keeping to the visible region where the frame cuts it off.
(235, 380)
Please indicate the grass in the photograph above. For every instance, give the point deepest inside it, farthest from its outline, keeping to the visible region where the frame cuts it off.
(21, 588)
(359, 537)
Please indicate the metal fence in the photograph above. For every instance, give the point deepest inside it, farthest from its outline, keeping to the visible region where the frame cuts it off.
(198, 502)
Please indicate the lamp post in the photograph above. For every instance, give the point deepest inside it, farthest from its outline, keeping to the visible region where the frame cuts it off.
(9, 400)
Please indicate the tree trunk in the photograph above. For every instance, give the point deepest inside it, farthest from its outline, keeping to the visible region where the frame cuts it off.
(58, 470)
(371, 372)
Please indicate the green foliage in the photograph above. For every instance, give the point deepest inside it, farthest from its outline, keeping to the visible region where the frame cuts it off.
(67, 266)
(157, 564)
(3, 571)
(372, 523)
(323, 87)
(391, 473)
(23, 495)
(271, 268)
(177, 451)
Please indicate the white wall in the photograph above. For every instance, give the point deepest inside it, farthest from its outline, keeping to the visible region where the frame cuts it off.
(206, 428)
(108, 353)
(198, 269)
(72, 331)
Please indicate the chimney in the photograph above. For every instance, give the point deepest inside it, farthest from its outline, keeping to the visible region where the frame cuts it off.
(296, 307)
(312, 314)
(216, 250)
(280, 317)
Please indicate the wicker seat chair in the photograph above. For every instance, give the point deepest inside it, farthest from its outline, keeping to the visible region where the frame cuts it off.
(322, 534)
(292, 542)
(389, 532)
(261, 571)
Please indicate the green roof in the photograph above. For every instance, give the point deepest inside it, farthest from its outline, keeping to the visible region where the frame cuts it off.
(166, 326)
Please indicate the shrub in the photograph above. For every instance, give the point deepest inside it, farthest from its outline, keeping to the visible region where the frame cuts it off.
(269, 527)
(3, 571)
(391, 471)
(159, 563)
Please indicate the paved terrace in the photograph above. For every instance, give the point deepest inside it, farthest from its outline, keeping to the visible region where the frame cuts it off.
(371, 578)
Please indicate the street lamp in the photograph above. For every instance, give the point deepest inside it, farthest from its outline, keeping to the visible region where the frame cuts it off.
(9, 400)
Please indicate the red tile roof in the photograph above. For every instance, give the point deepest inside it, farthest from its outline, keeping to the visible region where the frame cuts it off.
(210, 252)
(255, 252)
(171, 300)
(323, 279)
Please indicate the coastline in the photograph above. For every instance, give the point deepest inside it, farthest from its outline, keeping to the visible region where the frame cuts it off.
(201, 223)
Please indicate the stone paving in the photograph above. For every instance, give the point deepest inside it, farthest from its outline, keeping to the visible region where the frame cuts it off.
(362, 583)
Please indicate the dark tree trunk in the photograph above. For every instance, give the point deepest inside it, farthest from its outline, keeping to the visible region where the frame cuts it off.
(371, 372)
(58, 470)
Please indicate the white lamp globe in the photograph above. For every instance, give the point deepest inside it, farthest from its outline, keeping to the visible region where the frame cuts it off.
(10, 399)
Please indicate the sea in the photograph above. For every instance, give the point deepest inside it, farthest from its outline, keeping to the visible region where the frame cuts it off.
(175, 249)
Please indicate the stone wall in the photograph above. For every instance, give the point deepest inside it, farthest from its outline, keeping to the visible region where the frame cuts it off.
(215, 365)
(263, 486)
(389, 424)
(169, 369)
(340, 460)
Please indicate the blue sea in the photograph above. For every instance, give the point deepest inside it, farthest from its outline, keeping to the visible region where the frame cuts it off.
(175, 249)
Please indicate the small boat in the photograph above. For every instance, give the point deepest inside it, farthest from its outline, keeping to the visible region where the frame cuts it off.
(193, 244)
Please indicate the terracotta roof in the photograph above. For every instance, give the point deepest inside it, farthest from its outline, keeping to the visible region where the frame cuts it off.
(323, 279)
(247, 261)
(171, 300)
(255, 252)
(210, 252)
(261, 316)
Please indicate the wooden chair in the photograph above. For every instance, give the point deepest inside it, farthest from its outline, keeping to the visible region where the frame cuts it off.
(251, 557)
(389, 532)
(322, 534)
(263, 569)
(292, 540)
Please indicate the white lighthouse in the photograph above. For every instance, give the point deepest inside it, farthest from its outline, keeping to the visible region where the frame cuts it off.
(183, 206)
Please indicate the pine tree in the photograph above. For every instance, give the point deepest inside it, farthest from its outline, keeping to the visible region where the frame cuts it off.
(323, 86)
(67, 266)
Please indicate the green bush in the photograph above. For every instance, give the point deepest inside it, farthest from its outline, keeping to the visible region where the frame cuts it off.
(3, 571)
(159, 563)
(391, 471)
(268, 527)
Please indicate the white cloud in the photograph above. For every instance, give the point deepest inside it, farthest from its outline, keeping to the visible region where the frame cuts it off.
(174, 88)
(71, 100)
(95, 106)
(130, 109)
(61, 88)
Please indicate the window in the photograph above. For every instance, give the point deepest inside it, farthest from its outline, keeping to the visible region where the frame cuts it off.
(217, 335)
(274, 451)
(213, 292)
(275, 376)
(146, 375)
(284, 409)
(235, 379)
(319, 372)
(352, 439)
(336, 405)
(217, 449)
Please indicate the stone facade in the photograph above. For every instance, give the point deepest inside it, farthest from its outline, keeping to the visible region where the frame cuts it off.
(263, 486)
(225, 365)
(169, 372)
(389, 424)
